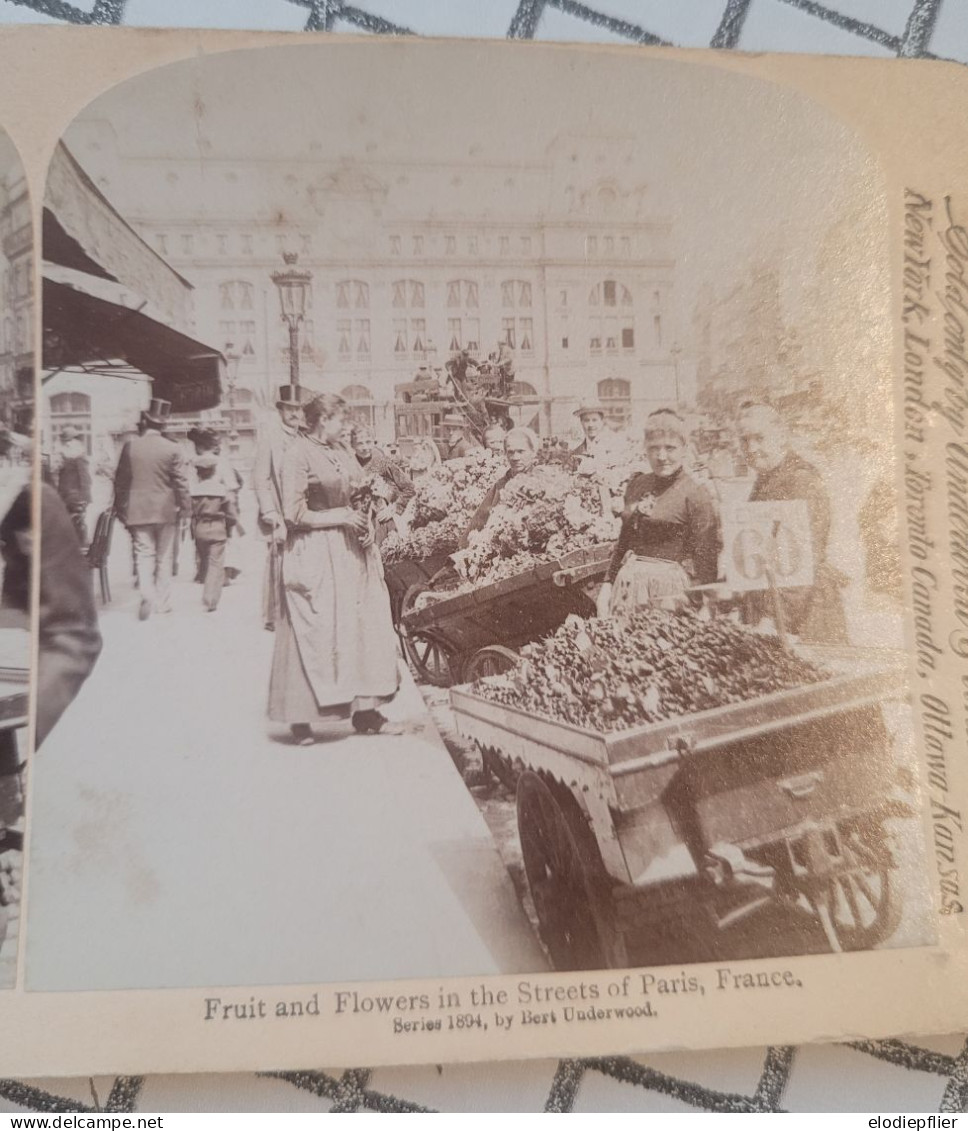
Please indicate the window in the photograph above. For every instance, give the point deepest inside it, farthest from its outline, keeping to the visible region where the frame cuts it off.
(525, 245)
(359, 401)
(611, 321)
(71, 409)
(161, 243)
(408, 294)
(609, 245)
(615, 397)
(418, 245)
(472, 245)
(187, 244)
(626, 246)
(353, 340)
(562, 298)
(246, 245)
(352, 293)
(222, 242)
(518, 332)
(461, 293)
(236, 295)
(657, 328)
(455, 340)
(305, 244)
(247, 334)
(450, 245)
(394, 245)
(504, 245)
(564, 343)
(591, 245)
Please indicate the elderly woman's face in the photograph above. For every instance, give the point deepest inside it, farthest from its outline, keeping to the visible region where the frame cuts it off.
(665, 453)
(519, 454)
(363, 445)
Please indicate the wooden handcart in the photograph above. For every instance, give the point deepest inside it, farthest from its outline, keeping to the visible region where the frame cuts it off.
(450, 637)
(668, 842)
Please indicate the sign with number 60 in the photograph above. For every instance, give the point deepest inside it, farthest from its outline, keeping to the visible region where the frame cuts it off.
(767, 539)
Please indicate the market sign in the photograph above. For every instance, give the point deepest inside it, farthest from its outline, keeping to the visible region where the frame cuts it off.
(767, 540)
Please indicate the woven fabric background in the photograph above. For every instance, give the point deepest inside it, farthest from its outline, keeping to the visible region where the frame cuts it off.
(866, 1076)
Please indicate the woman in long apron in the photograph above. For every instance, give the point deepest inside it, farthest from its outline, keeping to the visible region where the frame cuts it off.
(335, 649)
(669, 539)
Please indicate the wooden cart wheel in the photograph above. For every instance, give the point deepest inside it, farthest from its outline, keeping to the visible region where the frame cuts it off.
(492, 660)
(568, 885)
(432, 660)
(858, 906)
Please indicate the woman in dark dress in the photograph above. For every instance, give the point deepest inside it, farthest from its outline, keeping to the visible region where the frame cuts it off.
(670, 529)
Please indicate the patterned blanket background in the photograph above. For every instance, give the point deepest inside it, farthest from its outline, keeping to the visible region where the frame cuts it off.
(861, 1076)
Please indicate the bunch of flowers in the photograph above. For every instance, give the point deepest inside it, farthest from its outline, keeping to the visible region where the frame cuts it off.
(543, 513)
(439, 512)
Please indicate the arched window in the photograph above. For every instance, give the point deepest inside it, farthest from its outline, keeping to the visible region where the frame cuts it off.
(611, 319)
(73, 409)
(359, 401)
(615, 396)
(517, 325)
(463, 316)
(409, 328)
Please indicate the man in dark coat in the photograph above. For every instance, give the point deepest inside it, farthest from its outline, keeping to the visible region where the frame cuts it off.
(814, 613)
(150, 497)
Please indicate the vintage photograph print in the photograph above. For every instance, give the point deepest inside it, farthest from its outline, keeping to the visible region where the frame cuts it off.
(16, 544)
(488, 482)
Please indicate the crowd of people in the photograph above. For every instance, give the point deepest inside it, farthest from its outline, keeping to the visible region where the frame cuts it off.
(327, 495)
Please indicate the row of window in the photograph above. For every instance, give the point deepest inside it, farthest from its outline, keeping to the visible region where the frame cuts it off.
(410, 294)
(242, 243)
(610, 335)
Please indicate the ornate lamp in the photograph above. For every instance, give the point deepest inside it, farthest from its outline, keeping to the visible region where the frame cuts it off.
(293, 285)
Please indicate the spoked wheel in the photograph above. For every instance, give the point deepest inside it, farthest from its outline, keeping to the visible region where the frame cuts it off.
(432, 660)
(492, 660)
(857, 905)
(568, 886)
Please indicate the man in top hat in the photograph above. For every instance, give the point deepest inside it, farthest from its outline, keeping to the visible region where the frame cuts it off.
(150, 496)
(267, 481)
(456, 442)
(74, 479)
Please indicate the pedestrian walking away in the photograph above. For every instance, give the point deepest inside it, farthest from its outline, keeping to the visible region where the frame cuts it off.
(150, 497)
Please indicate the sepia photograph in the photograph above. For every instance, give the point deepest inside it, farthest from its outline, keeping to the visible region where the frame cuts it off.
(486, 488)
(16, 545)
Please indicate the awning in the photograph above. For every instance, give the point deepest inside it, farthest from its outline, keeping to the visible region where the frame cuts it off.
(98, 326)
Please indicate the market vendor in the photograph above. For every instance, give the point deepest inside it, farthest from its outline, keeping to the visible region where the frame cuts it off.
(814, 613)
(669, 538)
(521, 447)
(600, 445)
(399, 486)
(456, 441)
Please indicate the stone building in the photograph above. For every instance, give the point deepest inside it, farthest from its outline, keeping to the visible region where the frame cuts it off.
(409, 263)
(16, 296)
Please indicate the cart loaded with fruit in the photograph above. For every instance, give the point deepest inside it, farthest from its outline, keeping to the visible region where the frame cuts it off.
(690, 788)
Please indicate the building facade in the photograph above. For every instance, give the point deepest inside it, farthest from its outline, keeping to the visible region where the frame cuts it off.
(16, 303)
(409, 264)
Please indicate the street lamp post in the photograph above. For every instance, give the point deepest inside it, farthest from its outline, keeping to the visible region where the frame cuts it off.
(676, 352)
(293, 285)
(232, 357)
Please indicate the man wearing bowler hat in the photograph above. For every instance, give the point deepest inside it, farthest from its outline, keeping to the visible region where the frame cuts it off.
(456, 442)
(600, 443)
(150, 496)
(267, 480)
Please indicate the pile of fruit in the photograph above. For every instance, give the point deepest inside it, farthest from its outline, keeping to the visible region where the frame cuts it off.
(439, 512)
(600, 676)
(542, 514)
